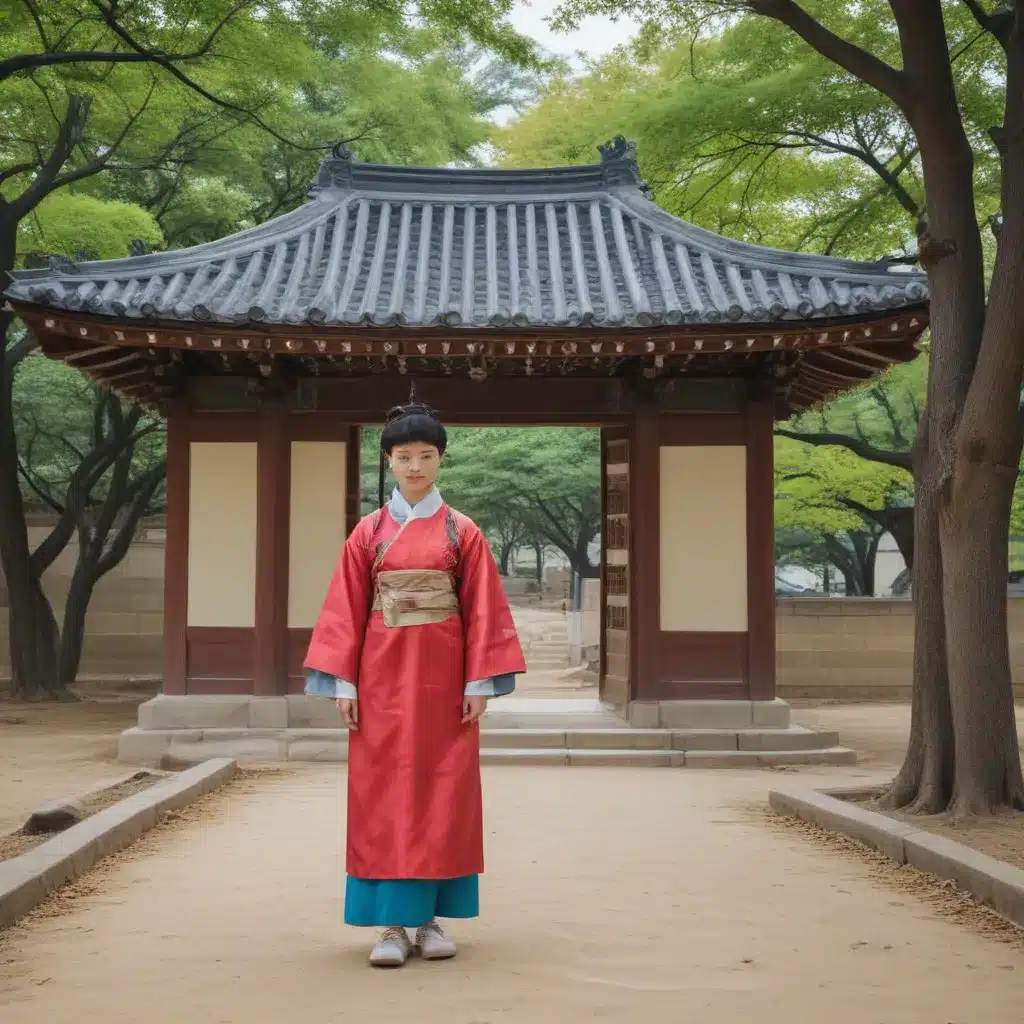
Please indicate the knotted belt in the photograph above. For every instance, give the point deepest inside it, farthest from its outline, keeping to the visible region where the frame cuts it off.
(415, 597)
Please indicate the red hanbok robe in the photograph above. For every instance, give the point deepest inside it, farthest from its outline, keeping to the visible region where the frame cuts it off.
(414, 802)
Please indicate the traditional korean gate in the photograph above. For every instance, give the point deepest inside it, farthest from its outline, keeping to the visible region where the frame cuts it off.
(614, 686)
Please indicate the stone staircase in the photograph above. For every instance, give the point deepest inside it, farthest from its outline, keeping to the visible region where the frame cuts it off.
(515, 731)
(544, 638)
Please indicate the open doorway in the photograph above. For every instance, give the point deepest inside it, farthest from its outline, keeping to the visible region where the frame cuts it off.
(538, 494)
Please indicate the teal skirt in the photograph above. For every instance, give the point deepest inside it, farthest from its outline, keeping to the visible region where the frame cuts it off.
(409, 902)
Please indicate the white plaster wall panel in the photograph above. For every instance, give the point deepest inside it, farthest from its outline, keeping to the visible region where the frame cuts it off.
(222, 534)
(317, 526)
(703, 538)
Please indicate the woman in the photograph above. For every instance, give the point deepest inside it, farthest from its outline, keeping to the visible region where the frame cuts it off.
(415, 634)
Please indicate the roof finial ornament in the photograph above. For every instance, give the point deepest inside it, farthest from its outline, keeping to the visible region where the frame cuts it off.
(335, 170)
(618, 164)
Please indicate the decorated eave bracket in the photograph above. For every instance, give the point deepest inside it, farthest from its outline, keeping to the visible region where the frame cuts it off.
(632, 342)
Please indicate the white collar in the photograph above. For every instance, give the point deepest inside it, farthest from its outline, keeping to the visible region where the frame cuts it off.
(402, 512)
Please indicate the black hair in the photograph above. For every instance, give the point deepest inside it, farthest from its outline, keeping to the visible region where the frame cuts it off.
(409, 424)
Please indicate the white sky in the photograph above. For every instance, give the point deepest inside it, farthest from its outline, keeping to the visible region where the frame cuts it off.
(595, 36)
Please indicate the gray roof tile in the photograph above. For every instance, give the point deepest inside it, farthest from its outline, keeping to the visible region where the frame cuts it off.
(423, 247)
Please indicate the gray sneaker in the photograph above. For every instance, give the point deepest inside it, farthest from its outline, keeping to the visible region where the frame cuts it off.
(433, 944)
(392, 949)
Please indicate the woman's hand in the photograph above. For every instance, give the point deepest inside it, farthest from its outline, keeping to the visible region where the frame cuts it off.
(473, 708)
(349, 713)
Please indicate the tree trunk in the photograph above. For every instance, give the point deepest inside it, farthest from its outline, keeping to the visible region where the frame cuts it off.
(72, 634)
(538, 549)
(974, 525)
(900, 524)
(925, 782)
(33, 632)
(506, 554)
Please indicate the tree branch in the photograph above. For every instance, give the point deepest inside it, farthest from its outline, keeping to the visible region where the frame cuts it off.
(68, 137)
(138, 55)
(858, 62)
(900, 460)
(169, 64)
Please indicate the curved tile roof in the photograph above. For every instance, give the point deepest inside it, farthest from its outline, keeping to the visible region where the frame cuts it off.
(437, 247)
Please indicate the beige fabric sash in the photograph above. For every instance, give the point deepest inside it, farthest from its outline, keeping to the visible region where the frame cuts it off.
(415, 597)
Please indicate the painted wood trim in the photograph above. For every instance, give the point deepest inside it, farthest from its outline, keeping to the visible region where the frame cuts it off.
(273, 484)
(703, 429)
(175, 656)
(206, 426)
(695, 658)
(220, 659)
(761, 542)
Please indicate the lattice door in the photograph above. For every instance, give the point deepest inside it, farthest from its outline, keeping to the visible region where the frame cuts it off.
(615, 660)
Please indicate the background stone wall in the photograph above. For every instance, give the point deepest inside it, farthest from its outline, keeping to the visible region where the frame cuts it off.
(849, 648)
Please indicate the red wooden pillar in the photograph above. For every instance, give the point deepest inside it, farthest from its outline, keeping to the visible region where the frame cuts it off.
(176, 551)
(645, 554)
(759, 426)
(353, 479)
(273, 493)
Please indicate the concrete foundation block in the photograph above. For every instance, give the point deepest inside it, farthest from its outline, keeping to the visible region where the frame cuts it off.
(305, 712)
(322, 747)
(644, 714)
(829, 755)
(794, 738)
(243, 745)
(770, 714)
(510, 756)
(142, 746)
(494, 739)
(703, 739)
(720, 759)
(618, 739)
(706, 714)
(268, 713)
(194, 711)
(620, 758)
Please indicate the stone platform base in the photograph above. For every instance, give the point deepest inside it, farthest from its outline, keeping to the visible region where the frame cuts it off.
(515, 730)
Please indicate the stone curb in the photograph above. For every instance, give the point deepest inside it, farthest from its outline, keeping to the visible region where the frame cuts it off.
(992, 882)
(27, 880)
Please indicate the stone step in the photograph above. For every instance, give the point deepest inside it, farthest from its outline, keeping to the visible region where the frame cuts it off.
(743, 740)
(667, 758)
(707, 748)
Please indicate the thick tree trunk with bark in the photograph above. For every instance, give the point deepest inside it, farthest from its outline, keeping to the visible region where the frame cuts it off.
(963, 753)
(924, 783)
(72, 634)
(33, 633)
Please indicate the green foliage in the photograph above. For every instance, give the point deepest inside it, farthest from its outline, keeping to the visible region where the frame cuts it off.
(67, 223)
(55, 415)
(751, 133)
(234, 134)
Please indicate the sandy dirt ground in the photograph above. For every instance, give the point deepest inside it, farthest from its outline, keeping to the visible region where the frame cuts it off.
(48, 751)
(597, 904)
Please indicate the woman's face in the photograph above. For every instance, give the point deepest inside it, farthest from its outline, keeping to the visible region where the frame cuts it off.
(415, 467)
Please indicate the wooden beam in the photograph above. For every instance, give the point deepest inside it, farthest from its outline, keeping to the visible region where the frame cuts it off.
(176, 553)
(273, 491)
(760, 542)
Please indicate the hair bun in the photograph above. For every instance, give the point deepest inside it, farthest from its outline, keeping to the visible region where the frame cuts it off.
(399, 412)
